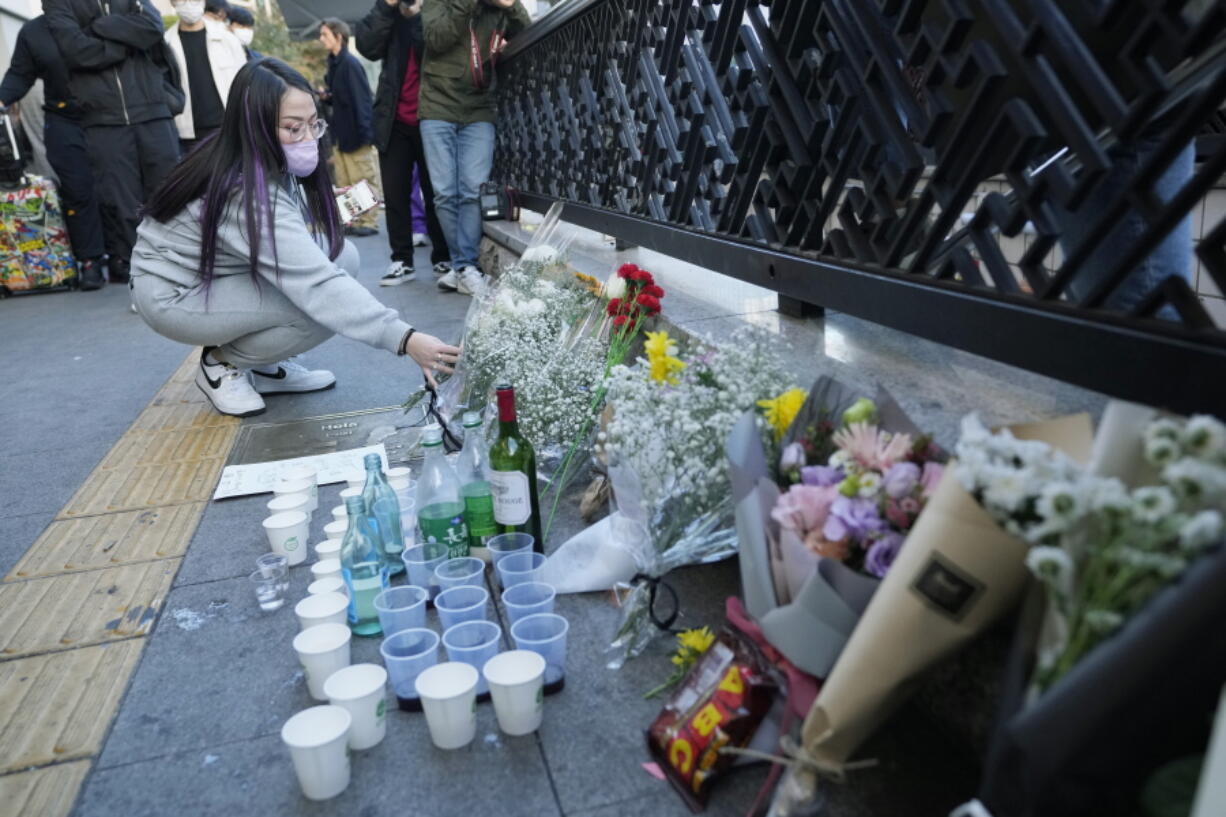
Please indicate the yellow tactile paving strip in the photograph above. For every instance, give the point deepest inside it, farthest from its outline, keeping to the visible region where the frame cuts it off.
(76, 608)
(49, 790)
(110, 540)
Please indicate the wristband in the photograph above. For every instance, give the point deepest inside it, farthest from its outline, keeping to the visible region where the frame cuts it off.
(404, 343)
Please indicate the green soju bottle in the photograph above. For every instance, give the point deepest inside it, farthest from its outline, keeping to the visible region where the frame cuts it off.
(513, 475)
(472, 470)
(362, 566)
(440, 506)
(382, 504)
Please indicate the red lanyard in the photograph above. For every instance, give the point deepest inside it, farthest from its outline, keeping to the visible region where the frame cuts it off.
(475, 62)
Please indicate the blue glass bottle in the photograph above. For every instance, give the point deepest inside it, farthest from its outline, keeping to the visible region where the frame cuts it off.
(362, 568)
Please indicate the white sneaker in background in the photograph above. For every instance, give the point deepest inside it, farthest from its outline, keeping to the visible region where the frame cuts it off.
(420, 240)
(290, 376)
(442, 268)
(449, 282)
(471, 281)
(398, 272)
(227, 388)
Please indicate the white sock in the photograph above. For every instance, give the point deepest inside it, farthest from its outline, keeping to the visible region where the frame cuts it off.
(267, 368)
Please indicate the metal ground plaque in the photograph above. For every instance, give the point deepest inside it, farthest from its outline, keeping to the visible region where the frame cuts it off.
(264, 442)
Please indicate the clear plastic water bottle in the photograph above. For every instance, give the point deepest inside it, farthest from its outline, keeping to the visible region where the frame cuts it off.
(440, 506)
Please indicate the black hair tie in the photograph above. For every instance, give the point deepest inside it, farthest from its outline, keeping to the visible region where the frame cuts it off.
(654, 583)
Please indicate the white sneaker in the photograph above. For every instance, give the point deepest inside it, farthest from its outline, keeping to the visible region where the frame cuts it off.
(419, 240)
(290, 376)
(398, 272)
(228, 388)
(442, 268)
(450, 281)
(471, 282)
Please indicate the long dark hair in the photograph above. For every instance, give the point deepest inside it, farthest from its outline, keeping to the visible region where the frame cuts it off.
(237, 165)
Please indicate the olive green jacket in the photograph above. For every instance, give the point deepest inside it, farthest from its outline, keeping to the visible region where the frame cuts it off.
(447, 89)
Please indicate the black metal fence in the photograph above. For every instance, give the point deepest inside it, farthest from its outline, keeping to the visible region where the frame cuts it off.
(880, 157)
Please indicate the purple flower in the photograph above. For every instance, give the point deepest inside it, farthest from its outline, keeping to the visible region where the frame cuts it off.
(821, 475)
(882, 554)
(900, 480)
(792, 457)
(852, 517)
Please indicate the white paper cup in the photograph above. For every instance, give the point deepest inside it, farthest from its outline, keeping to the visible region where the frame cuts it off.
(336, 530)
(283, 503)
(356, 479)
(353, 491)
(316, 740)
(340, 514)
(399, 478)
(287, 535)
(298, 486)
(361, 690)
(332, 584)
(448, 694)
(300, 471)
(325, 608)
(325, 568)
(322, 650)
(517, 687)
(328, 549)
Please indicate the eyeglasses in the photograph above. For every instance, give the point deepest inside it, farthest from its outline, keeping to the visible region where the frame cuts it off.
(299, 132)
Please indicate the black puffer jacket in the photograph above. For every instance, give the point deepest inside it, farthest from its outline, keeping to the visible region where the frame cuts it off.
(387, 35)
(116, 57)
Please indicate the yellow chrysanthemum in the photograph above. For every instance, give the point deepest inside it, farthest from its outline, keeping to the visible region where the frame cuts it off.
(664, 367)
(781, 411)
(593, 284)
(696, 641)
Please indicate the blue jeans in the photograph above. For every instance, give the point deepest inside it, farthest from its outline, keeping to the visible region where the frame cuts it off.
(1172, 257)
(459, 158)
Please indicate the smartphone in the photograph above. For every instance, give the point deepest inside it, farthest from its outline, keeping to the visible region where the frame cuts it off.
(355, 201)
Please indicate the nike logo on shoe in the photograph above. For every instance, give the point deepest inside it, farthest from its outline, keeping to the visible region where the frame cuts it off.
(213, 383)
(280, 375)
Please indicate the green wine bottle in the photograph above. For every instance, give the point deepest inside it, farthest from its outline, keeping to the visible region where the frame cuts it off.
(513, 474)
(440, 506)
(472, 467)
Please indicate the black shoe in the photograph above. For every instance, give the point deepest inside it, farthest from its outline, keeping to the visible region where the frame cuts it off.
(118, 269)
(361, 232)
(91, 274)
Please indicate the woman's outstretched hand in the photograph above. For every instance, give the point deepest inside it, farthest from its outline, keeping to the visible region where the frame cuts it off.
(432, 355)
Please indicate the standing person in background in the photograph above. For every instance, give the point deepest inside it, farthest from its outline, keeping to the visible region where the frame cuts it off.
(349, 92)
(463, 39)
(208, 56)
(217, 10)
(392, 32)
(117, 72)
(36, 56)
(242, 26)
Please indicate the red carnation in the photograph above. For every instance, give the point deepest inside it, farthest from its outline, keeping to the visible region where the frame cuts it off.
(654, 291)
(614, 306)
(620, 321)
(649, 302)
(627, 271)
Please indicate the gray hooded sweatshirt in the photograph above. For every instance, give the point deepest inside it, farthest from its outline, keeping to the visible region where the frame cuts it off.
(303, 272)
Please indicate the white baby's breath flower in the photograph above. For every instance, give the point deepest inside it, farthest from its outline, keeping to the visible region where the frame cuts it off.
(1152, 503)
(540, 254)
(1201, 531)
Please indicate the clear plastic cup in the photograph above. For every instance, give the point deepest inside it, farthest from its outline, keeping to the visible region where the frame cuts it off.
(328, 549)
(322, 650)
(287, 535)
(406, 655)
(332, 584)
(274, 564)
(466, 570)
(473, 643)
(322, 609)
(528, 599)
(517, 568)
(504, 544)
(290, 502)
(420, 561)
(516, 680)
(268, 591)
(360, 689)
(402, 608)
(448, 696)
(545, 634)
(460, 604)
(317, 739)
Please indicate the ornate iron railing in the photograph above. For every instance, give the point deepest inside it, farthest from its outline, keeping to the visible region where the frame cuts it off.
(880, 158)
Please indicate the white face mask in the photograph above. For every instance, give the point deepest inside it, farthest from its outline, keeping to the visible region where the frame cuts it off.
(245, 35)
(190, 12)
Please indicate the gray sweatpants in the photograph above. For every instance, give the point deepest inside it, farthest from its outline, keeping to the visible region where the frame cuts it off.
(251, 326)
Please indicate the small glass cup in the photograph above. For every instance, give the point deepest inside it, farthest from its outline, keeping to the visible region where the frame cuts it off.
(268, 591)
(274, 565)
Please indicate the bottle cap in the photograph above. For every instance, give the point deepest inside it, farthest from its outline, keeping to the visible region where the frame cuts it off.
(432, 435)
(472, 419)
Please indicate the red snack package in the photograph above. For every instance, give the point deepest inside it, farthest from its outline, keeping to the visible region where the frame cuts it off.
(721, 702)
